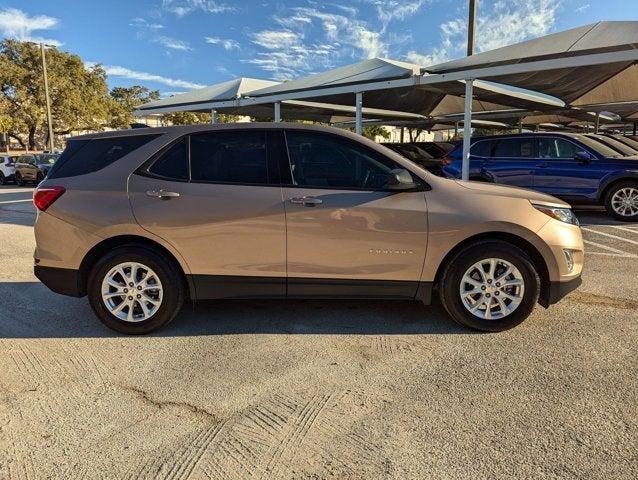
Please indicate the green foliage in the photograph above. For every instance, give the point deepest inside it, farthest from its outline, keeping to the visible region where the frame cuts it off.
(191, 118)
(374, 131)
(126, 99)
(79, 95)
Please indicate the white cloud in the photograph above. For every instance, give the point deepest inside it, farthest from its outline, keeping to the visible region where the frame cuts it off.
(16, 24)
(123, 72)
(582, 8)
(139, 22)
(174, 44)
(502, 23)
(184, 7)
(227, 43)
(288, 53)
(388, 10)
(277, 39)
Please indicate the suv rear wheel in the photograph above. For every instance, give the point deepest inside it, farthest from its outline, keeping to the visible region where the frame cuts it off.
(19, 181)
(490, 286)
(622, 201)
(135, 290)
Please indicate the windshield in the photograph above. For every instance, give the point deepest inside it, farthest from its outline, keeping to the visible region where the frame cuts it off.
(620, 147)
(597, 146)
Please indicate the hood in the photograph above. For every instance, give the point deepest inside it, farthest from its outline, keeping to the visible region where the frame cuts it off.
(493, 189)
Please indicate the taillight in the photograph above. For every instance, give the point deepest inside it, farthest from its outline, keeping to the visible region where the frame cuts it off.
(43, 197)
(445, 161)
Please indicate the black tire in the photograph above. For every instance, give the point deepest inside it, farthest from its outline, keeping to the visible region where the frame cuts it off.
(19, 181)
(450, 283)
(3, 179)
(610, 195)
(39, 178)
(168, 273)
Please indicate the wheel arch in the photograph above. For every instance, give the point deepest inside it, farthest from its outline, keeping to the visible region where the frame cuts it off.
(614, 180)
(98, 250)
(537, 258)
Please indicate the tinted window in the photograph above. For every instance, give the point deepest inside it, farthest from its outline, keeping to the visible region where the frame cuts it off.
(85, 156)
(173, 163)
(514, 148)
(318, 160)
(556, 148)
(482, 149)
(229, 157)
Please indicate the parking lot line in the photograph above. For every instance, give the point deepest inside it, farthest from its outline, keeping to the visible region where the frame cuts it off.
(15, 201)
(611, 251)
(625, 229)
(609, 235)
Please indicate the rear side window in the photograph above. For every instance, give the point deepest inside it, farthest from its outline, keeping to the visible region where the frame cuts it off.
(173, 163)
(514, 148)
(90, 155)
(482, 149)
(229, 157)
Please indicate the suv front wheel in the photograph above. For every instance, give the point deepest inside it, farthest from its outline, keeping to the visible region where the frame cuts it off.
(490, 286)
(135, 290)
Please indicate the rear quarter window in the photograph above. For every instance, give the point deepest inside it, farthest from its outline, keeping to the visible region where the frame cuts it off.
(90, 155)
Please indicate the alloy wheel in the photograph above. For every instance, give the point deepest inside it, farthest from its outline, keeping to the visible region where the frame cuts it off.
(132, 292)
(492, 289)
(625, 201)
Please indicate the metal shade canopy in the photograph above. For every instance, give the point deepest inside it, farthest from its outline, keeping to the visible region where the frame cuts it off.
(202, 99)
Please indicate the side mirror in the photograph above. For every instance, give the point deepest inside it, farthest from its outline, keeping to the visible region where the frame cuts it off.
(583, 156)
(400, 179)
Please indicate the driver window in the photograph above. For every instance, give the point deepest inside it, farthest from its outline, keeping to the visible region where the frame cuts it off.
(318, 160)
(556, 148)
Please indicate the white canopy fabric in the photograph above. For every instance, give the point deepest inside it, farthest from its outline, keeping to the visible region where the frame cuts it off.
(198, 100)
(597, 64)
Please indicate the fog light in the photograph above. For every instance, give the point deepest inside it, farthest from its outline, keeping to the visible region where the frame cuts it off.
(569, 258)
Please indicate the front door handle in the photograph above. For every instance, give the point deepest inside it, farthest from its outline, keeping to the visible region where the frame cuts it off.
(163, 194)
(306, 201)
(541, 165)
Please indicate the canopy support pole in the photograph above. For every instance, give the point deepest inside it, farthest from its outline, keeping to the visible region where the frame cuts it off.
(520, 125)
(359, 113)
(456, 129)
(213, 116)
(635, 124)
(277, 112)
(403, 132)
(597, 124)
(467, 128)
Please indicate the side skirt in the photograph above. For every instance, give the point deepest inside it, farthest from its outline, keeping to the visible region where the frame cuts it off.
(212, 287)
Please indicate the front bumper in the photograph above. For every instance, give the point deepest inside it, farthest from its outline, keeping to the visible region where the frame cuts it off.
(64, 281)
(556, 291)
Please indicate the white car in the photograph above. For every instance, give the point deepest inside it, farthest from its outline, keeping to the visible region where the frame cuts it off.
(7, 169)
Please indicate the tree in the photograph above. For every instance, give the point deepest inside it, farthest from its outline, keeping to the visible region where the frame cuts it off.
(79, 94)
(374, 131)
(190, 118)
(127, 99)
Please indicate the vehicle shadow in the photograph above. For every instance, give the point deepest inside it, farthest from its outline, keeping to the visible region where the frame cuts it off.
(32, 311)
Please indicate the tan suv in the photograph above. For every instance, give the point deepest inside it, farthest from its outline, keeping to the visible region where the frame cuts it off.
(141, 220)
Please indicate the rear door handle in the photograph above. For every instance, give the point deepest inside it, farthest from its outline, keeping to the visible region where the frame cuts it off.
(163, 194)
(306, 201)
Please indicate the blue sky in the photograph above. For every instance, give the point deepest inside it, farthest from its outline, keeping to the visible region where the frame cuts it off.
(177, 45)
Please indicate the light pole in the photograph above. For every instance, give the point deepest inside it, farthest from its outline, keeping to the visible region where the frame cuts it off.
(46, 96)
(469, 89)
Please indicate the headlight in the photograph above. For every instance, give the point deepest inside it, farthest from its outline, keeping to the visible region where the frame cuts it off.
(561, 214)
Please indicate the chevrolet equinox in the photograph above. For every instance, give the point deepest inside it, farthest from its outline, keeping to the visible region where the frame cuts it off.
(142, 220)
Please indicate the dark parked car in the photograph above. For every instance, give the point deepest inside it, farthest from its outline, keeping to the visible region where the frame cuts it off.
(419, 156)
(436, 149)
(33, 168)
(577, 168)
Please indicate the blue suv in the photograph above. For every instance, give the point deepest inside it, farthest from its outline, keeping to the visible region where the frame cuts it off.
(577, 168)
